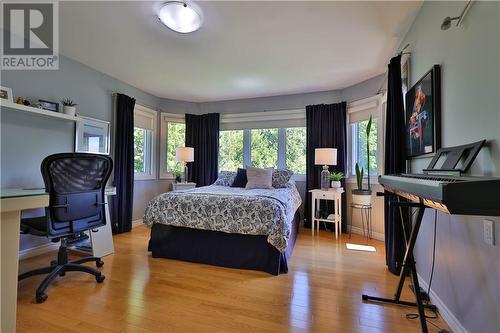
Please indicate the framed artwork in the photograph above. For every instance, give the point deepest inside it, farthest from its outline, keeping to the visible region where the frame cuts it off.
(48, 105)
(92, 136)
(6, 93)
(423, 115)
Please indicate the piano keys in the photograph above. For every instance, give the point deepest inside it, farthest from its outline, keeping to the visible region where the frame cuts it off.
(464, 195)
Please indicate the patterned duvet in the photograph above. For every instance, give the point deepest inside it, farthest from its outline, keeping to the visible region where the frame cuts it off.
(229, 209)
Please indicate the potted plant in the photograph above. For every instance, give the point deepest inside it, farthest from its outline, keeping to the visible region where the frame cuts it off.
(335, 178)
(177, 173)
(69, 107)
(362, 196)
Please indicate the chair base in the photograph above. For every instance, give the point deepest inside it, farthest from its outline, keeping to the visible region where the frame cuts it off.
(59, 268)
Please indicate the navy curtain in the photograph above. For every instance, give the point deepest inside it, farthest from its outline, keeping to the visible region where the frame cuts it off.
(202, 133)
(394, 163)
(124, 164)
(326, 128)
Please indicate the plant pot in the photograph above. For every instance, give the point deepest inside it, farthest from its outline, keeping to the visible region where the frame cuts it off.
(336, 184)
(69, 110)
(178, 179)
(362, 197)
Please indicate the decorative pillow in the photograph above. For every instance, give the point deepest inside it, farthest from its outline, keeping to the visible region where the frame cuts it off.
(259, 178)
(241, 178)
(281, 177)
(226, 178)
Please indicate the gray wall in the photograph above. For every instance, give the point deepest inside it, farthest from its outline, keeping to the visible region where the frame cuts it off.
(295, 101)
(467, 272)
(26, 139)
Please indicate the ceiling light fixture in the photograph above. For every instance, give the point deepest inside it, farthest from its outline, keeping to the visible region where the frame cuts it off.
(181, 16)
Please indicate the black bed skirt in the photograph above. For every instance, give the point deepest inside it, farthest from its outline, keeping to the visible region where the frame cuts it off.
(220, 248)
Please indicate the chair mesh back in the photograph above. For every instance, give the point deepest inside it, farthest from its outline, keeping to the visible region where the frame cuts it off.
(76, 174)
(76, 184)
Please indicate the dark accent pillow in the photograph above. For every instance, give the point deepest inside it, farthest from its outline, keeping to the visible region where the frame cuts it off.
(241, 178)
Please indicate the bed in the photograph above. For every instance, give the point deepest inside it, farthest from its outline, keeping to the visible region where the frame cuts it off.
(226, 226)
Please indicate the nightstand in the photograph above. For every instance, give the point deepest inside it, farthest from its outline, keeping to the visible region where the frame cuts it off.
(183, 186)
(336, 196)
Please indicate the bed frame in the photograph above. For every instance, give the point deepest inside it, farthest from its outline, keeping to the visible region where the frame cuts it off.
(220, 248)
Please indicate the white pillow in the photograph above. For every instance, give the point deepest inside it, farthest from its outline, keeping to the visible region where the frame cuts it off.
(259, 178)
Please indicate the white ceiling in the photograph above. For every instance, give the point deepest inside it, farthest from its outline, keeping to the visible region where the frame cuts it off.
(243, 50)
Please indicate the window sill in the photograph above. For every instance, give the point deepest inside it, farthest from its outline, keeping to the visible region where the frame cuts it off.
(144, 177)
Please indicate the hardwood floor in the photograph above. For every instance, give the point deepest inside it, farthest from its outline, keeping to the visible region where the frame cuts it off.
(321, 293)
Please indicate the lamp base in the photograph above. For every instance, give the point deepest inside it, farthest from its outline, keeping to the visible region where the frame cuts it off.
(325, 178)
(185, 173)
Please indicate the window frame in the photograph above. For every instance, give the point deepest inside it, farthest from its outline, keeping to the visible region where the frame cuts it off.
(166, 118)
(153, 115)
(281, 162)
(376, 106)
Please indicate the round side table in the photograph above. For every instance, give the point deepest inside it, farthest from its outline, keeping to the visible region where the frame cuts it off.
(366, 216)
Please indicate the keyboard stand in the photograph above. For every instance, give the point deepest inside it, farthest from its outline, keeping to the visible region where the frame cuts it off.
(408, 267)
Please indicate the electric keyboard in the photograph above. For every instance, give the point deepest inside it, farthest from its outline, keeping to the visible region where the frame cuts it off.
(463, 195)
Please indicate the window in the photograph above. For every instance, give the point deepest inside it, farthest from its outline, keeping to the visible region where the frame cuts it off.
(295, 152)
(359, 140)
(176, 137)
(173, 136)
(263, 148)
(231, 150)
(359, 114)
(144, 143)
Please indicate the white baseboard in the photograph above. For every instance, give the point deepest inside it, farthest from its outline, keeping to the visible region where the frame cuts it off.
(137, 223)
(37, 250)
(447, 315)
(359, 231)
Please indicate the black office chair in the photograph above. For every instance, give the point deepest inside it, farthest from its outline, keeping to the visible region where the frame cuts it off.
(76, 183)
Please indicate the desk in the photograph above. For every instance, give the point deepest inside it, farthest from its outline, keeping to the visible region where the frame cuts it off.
(336, 196)
(12, 202)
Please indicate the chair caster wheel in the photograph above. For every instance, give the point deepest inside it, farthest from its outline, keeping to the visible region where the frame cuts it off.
(62, 273)
(40, 298)
(99, 263)
(100, 278)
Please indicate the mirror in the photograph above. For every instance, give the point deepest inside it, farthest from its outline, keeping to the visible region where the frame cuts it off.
(92, 136)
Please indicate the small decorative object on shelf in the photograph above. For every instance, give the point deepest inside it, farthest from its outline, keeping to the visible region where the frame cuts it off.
(48, 105)
(6, 93)
(335, 178)
(69, 107)
(23, 101)
(359, 195)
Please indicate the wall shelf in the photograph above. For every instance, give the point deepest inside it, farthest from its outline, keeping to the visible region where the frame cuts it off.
(7, 105)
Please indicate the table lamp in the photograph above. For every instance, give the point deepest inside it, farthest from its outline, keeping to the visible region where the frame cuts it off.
(185, 155)
(325, 157)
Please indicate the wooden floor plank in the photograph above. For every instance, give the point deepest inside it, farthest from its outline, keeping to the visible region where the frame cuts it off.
(321, 293)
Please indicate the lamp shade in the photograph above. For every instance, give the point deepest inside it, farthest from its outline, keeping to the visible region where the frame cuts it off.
(325, 156)
(184, 154)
